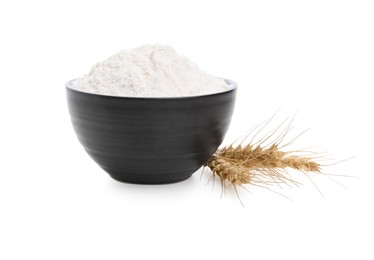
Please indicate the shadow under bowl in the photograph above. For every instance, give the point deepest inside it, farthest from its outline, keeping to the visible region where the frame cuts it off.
(150, 140)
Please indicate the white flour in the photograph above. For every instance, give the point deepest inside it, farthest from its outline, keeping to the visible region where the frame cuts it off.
(149, 71)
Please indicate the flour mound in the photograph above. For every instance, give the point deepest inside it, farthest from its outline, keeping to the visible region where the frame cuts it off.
(149, 71)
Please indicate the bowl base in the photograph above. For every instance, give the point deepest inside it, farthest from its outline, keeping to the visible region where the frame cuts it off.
(146, 179)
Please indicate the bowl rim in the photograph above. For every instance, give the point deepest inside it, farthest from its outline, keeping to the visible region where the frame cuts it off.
(233, 87)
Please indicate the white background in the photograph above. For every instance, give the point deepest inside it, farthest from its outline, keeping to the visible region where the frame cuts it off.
(315, 57)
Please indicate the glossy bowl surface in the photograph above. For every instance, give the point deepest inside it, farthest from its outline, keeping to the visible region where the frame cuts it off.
(150, 140)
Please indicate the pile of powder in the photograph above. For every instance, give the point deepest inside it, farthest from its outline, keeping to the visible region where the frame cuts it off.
(149, 71)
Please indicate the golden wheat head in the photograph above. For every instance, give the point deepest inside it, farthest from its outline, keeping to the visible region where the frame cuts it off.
(259, 163)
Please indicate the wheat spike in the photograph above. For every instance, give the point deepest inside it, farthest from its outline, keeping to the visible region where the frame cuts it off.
(254, 158)
(258, 164)
(229, 172)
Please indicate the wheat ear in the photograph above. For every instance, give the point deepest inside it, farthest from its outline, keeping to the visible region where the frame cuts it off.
(259, 164)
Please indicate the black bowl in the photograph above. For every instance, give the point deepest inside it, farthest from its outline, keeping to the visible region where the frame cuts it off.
(150, 140)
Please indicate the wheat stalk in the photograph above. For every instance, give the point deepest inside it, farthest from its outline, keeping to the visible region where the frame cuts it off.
(260, 164)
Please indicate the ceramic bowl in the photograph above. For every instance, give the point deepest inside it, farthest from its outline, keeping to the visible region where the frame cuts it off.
(150, 140)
